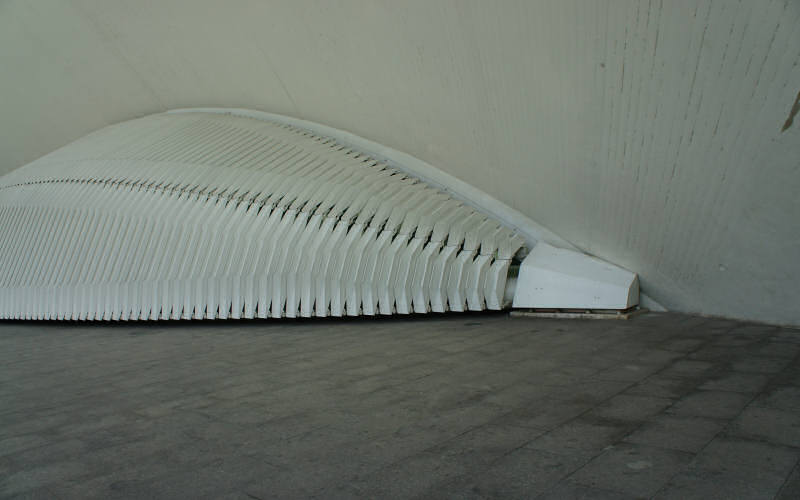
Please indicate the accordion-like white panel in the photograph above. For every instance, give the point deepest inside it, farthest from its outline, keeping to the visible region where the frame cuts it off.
(208, 215)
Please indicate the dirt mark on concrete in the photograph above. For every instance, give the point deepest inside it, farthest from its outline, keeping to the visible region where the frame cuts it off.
(794, 110)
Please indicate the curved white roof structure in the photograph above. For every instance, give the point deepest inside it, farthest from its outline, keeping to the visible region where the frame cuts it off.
(204, 215)
(198, 215)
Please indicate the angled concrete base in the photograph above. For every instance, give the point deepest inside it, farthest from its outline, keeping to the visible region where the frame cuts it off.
(556, 278)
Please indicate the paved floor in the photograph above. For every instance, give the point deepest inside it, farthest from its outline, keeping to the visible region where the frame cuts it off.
(471, 406)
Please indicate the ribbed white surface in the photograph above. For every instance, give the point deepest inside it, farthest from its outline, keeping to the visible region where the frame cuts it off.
(203, 215)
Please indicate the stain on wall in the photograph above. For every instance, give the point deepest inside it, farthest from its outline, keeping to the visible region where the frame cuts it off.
(795, 108)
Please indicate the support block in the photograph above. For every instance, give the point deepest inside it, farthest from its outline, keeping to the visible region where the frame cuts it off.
(555, 278)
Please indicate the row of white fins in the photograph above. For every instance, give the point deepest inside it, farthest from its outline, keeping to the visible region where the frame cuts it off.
(265, 221)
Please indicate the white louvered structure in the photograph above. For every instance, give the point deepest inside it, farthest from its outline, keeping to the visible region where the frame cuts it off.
(208, 215)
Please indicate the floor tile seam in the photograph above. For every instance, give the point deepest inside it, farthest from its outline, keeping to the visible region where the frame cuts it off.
(80, 384)
(686, 467)
(728, 391)
(74, 382)
(583, 461)
(772, 377)
(47, 487)
(756, 439)
(80, 477)
(566, 480)
(795, 469)
(611, 447)
(660, 447)
(589, 410)
(732, 421)
(335, 362)
(55, 426)
(721, 432)
(405, 457)
(453, 438)
(41, 446)
(621, 440)
(684, 357)
(492, 342)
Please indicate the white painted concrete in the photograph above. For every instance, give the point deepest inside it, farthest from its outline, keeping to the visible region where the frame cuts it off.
(557, 278)
(211, 215)
(433, 176)
(647, 133)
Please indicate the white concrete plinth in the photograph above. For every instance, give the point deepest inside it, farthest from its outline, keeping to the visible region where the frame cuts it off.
(555, 278)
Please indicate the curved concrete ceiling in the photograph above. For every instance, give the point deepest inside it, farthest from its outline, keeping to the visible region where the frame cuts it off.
(656, 135)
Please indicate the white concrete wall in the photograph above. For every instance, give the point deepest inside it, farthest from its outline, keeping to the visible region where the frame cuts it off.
(648, 133)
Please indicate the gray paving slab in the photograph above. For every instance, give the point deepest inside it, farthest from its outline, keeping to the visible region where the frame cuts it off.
(736, 382)
(761, 364)
(780, 397)
(524, 473)
(634, 408)
(791, 488)
(472, 406)
(662, 386)
(768, 424)
(734, 468)
(568, 490)
(634, 469)
(689, 434)
(710, 404)
(585, 436)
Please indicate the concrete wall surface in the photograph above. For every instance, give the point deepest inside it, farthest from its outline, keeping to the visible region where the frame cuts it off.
(653, 134)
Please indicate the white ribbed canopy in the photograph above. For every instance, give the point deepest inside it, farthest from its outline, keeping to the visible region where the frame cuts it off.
(204, 215)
